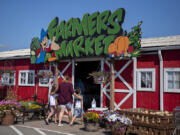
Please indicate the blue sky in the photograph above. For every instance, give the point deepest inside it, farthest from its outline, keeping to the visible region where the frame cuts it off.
(21, 20)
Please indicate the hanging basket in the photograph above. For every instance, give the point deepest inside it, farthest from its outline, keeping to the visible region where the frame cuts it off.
(44, 74)
(100, 77)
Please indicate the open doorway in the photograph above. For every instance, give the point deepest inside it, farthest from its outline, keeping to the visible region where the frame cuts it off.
(89, 89)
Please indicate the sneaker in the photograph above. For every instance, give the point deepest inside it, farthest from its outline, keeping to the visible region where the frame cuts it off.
(60, 125)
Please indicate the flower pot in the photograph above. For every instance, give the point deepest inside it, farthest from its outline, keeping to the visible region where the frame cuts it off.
(92, 127)
(8, 119)
(121, 131)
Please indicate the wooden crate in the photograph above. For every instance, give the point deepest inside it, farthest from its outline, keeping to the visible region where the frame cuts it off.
(149, 122)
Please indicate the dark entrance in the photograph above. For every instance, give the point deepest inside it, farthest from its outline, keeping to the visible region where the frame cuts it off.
(90, 90)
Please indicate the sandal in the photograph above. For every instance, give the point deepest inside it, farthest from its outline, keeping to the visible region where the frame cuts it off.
(46, 122)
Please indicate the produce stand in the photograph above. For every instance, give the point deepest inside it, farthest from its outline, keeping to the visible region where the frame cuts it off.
(149, 122)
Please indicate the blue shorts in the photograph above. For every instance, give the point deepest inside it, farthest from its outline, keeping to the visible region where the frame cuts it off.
(68, 105)
(78, 112)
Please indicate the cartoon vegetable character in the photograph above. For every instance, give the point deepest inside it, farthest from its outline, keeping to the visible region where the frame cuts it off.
(119, 47)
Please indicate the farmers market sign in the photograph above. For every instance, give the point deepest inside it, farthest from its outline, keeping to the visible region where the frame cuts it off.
(96, 34)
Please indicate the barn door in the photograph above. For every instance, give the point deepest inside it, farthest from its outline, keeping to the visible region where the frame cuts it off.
(125, 85)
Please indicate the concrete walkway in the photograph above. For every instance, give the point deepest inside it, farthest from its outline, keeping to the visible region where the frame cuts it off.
(76, 129)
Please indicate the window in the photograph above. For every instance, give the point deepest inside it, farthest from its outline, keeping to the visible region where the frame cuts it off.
(44, 82)
(146, 79)
(8, 78)
(172, 80)
(26, 78)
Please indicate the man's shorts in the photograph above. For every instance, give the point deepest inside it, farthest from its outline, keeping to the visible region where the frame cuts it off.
(68, 105)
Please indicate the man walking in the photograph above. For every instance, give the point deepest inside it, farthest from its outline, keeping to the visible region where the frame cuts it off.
(65, 99)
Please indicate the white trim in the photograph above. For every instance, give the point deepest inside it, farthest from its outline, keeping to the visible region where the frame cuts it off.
(139, 79)
(134, 81)
(166, 77)
(26, 79)
(8, 74)
(73, 77)
(161, 80)
(117, 74)
(43, 85)
(101, 90)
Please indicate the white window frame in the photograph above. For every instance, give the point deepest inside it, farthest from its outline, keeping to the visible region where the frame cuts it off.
(139, 88)
(166, 79)
(26, 79)
(8, 83)
(43, 85)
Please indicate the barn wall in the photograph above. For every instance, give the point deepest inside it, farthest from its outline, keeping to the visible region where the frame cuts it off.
(171, 59)
(149, 99)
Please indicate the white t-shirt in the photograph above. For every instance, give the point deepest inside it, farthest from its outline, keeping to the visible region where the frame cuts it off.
(52, 100)
(77, 103)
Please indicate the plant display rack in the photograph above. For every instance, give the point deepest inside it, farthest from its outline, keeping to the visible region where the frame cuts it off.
(149, 122)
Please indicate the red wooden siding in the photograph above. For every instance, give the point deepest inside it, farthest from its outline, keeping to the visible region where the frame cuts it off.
(149, 100)
(171, 60)
(127, 74)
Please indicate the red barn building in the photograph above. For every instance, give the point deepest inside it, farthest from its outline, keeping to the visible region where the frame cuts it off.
(150, 81)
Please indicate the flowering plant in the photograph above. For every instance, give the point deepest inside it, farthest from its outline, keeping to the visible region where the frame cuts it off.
(44, 74)
(100, 77)
(115, 120)
(30, 105)
(10, 106)
(91, 116)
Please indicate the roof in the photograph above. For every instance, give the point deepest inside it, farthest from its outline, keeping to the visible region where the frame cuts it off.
(15, 54)
(161, 41)
(147, 44)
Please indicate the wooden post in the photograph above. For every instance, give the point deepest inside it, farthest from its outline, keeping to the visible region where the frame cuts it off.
(112, 86)
(56, 76)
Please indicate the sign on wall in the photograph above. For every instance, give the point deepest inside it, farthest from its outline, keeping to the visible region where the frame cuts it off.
(96, 34)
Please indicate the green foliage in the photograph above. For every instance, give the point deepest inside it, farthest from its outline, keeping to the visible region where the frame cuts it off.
(135, 36)
(35, 44)
(135, 53)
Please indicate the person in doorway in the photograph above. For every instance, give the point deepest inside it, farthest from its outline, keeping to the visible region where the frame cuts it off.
(53, 106)
(65, 92)
(78, 107)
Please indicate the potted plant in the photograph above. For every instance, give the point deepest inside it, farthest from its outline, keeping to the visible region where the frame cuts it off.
(44, 74)
(116, 122)
(9, 109)
(91, 120)
(100, 77)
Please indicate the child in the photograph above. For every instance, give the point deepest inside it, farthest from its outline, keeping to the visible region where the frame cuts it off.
(78, 109)
(53, 106)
